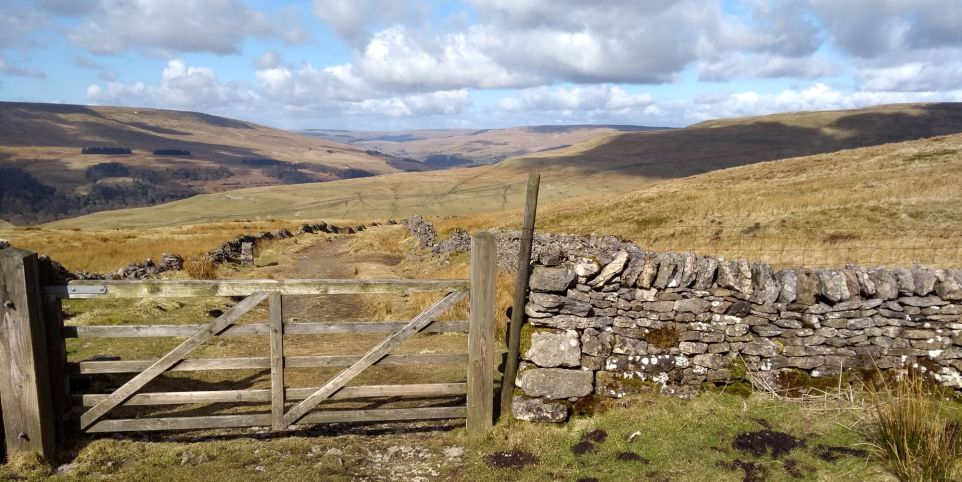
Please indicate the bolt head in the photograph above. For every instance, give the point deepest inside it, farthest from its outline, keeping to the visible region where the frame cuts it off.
(8, 304)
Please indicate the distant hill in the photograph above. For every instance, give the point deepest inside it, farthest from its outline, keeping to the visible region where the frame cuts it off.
(596, 171)
(720, 144)
(462, 147)
(44, 175)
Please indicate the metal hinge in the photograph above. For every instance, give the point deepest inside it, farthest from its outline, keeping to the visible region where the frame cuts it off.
(87, 290)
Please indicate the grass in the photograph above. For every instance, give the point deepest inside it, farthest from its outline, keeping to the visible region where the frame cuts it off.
(896, 204)
(679, 439)
(587, 172)
(684, 440)
(107, 250)
(912, 433)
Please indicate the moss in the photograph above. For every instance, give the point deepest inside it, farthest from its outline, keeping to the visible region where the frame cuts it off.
(526, 331)
(664, 338)
(592, 405)
(739, 372)
(795, 383)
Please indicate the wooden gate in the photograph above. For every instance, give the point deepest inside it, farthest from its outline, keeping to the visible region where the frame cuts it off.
(288, 406)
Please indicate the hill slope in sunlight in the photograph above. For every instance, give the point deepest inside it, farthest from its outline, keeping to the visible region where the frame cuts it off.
(45, 176)
(592, 173)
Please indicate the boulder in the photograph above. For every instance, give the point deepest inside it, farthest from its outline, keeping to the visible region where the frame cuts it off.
(551, 349)
(596, 343)
(705, 273)
(636, 263)
(832, 285)
(692, 305)
(948, 286)
(904, 280)
(610, 270)
(648, 272)
(538, 410)
(556, 383)
(924, 281)
(886, 287)
(551, 279)
(765, 288)
(788, 284)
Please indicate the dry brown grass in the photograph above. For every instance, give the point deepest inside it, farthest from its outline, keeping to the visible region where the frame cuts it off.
(200, 267)
(911, 433)
(895, 204)
(108, 250)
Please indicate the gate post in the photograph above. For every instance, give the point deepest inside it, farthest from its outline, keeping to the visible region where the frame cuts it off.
(28, 415)
(481, 334)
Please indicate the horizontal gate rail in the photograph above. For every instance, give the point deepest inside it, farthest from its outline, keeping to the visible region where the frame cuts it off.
(307, 361)
(170, 359)
(264, 395)
(100, 289)
(291, 328)
(258, 420)
(298, 411)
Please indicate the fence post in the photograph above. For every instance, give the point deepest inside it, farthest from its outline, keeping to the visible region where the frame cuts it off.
(481, 334)
(28, 415)
(520, 296)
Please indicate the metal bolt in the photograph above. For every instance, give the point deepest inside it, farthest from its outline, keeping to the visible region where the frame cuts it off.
(9, 304)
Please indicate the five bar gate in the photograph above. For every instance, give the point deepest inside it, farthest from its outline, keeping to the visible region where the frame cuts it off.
(33, 368)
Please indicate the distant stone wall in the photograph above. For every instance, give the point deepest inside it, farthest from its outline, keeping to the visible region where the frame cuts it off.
(232, 251)
(607, 318)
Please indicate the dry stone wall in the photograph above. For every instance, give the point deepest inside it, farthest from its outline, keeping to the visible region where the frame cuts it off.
(607, 318)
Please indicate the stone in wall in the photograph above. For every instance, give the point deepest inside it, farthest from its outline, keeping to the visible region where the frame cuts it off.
(539, 410)
(556, 383)
(550, 349)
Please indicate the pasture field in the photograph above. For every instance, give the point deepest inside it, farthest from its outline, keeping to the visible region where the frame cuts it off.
(644, 436)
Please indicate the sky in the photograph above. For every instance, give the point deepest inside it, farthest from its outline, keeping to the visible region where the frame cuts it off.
(403, 64)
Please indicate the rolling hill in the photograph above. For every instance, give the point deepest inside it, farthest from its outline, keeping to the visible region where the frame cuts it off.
(463, 147)
(44, 175)
(589, 173)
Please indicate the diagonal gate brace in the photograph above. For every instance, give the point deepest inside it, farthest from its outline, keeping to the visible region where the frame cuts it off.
(169, 360)
(371, 357)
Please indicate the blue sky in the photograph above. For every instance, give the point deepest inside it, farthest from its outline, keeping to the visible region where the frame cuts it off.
(397, 64)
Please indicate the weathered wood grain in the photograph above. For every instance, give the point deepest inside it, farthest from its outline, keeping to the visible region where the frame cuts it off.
(481, 337)
(170, 359)
(264, 395)
(214, 288)
(277, 361)
(372, 356)
(25, 395)
(242, 363)
(233, 421)
(290, 328)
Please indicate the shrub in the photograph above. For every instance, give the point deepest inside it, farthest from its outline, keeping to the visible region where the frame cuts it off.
(910, 432)
(200, 268)
(171, 152)
(105, 150)
(104, 170)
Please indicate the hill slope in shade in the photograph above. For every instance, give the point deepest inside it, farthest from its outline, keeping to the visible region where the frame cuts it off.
(460, 147)
(714, 145)
(47, 176)
(593, 172)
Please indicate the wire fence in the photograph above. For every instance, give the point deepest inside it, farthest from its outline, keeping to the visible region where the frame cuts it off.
(791, 245)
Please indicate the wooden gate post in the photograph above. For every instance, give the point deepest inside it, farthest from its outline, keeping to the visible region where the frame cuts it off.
(28, 416)
(481, 334)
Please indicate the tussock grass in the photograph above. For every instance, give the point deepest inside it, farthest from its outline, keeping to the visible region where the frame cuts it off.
(911, 432)
(200, 268)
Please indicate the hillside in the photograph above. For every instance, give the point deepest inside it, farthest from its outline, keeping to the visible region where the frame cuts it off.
(461, 147)
(592, 173)
(720, 144)
(45, 176)
(890, 204)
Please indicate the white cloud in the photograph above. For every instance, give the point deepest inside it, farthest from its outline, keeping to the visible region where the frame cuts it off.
(352, 20)
(588, 98)
(448, 102)
(172, 26)
(7, 69)
(818, 96)
(181, 86)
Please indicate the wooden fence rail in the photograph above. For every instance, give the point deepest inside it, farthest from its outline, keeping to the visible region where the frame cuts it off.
(34, 371)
